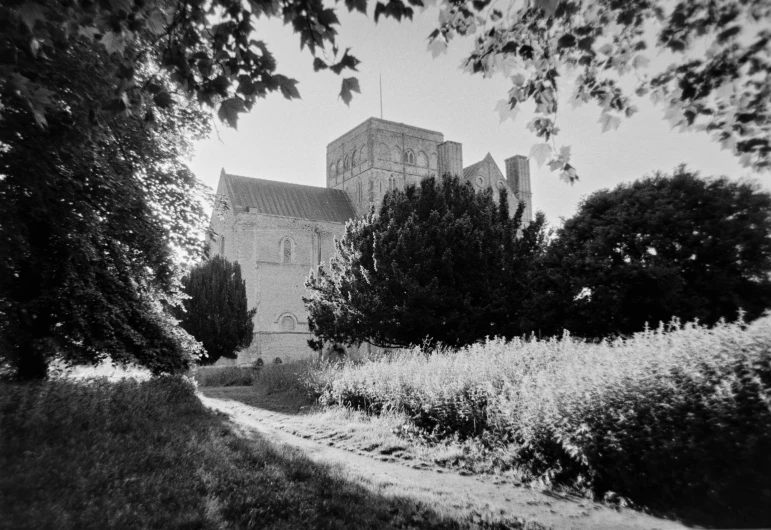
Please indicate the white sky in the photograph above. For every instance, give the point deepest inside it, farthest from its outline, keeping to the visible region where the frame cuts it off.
(286, 140)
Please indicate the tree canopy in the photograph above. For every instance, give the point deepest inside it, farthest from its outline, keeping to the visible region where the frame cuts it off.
(438, 263)
(716, 80)
(216, 312)
(205, 50)
(661, 247)
(97, 209)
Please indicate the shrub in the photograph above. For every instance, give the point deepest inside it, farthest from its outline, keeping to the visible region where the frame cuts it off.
(672, 419)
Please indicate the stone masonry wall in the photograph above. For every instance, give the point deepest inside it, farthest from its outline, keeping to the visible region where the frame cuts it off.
(378, 149)
(273, 286)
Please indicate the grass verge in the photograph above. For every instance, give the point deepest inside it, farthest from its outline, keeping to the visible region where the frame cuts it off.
(128, 454)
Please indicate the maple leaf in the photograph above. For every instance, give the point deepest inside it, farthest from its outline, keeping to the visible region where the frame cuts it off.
(358, 5)
(540, 152)
(114, 42)
(437, 46)
(518, 79)
(348, 61)
(288, 86)
(609, 122)
(156, 22)
(229, 109)
(39, 100)
(319, 64)
(506, 111)
(569, 174)
(350, 84)
(640, 61)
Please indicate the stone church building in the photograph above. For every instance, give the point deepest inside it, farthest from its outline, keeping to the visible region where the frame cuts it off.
(278, 231)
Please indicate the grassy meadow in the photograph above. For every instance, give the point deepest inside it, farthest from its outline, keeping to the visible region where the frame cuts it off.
(674, 420)
(95, 453)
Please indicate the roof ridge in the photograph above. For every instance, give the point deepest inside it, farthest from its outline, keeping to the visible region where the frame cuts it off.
(288, 199)
(281, 182)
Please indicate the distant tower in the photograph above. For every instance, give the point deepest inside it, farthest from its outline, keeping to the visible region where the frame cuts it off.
(518, 177)
(450, 159)
(379, 155)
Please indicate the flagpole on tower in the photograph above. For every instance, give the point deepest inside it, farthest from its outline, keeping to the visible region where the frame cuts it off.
(381, 96)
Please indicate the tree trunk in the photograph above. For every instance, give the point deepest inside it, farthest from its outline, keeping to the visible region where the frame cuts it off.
(32, 363)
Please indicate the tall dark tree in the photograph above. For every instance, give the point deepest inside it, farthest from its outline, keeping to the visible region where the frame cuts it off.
(661, 247)
(216, 313)
(437, 264)
(94, 208)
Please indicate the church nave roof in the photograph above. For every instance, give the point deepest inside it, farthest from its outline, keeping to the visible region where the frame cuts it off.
(283, 199)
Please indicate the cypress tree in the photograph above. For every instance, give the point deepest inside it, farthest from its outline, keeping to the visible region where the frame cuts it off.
(216, 313)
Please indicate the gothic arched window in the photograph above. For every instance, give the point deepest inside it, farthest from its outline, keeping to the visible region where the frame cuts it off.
(332, 171)
(347, 164)
(371, 190)
(286, 250)
(338, 168)
(409, 157)
(422, 159)
(355, 158)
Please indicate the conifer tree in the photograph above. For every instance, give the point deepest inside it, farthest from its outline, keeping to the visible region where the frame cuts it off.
(216, 313)
(438, 264)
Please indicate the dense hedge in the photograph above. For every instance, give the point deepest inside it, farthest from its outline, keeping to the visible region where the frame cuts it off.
(676, 420)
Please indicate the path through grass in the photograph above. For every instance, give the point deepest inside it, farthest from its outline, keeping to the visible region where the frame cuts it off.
(128, 454)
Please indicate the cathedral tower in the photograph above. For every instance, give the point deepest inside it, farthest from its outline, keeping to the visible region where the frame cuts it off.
(451, 159)
(518, 177)
(379, 155)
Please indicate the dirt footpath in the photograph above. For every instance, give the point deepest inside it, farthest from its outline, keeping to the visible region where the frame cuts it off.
(455, 493)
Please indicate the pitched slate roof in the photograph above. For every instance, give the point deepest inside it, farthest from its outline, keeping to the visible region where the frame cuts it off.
(469, 171)
(288, 200)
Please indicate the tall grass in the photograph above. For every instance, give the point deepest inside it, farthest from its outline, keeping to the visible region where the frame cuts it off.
(676, 418)
(286, 377)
